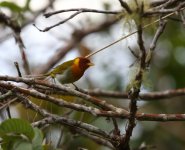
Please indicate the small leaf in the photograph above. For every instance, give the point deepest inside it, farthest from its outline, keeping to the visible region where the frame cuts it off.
(12, 6)
(16, 126)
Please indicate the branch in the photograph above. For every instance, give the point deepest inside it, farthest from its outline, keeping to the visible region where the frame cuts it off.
(17, 30)
(59, 23)
(157, 3)
(160, 11)
(84, 10)
(159, 31)
(125, 6)
(53, 119)
(160, 117)
(149, 96)
(78, 11)
(79, 127)
(34, 93)
(98, 140)
(167, 3)
(139, 116)
(90, 131)
(7, 103)
(135, 89)
(58, 119)
(162, 25)
(6, 95)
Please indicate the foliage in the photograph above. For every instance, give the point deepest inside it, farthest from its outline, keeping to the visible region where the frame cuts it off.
(15, 7)
(18, 134)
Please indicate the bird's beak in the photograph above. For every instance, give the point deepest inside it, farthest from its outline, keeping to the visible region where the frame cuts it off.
(90, 64)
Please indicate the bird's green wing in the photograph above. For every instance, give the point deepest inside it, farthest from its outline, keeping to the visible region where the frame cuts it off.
(60, 68)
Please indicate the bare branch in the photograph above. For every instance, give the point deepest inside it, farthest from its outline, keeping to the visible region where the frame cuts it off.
(159, 31)
(149, 96)
(135, 89)
(59, 23)
(158, 3)
(182, 17)
(6, 95)
(84, 10)
(34, 93)
(73, 124)
(18, 69)
(179, 7)
(79, 127)
(125, 6)
(160, 117)
(17, 30)
(78, 11)
(95, 138)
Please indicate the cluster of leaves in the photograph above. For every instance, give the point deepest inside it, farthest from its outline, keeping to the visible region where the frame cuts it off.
(18, 134)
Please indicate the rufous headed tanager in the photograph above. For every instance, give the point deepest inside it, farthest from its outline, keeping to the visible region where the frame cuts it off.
(70, 71)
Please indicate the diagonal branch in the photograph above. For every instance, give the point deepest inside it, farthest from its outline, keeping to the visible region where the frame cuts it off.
(125, 6)
(98, 102)
(59, 23)
(84, 10)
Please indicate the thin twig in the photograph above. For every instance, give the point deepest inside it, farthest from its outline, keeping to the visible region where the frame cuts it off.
(6, 95)
(84, 10)
(159, 31)
(165, 11)
(53, 119)
(125, 6)
(18, 69)
(182, 17)
(59, 23)
(133, 52)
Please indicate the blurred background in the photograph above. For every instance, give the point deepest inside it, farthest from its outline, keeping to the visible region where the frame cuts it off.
(114, 67)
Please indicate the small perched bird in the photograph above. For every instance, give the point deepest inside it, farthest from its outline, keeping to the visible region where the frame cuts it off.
(70, 71)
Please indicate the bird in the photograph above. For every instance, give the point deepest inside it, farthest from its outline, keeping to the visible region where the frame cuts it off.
(70, 71)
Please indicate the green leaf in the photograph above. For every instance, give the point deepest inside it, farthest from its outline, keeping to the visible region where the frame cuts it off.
(12, 127)
(37, 140)
(12, 6)
(22, 145)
